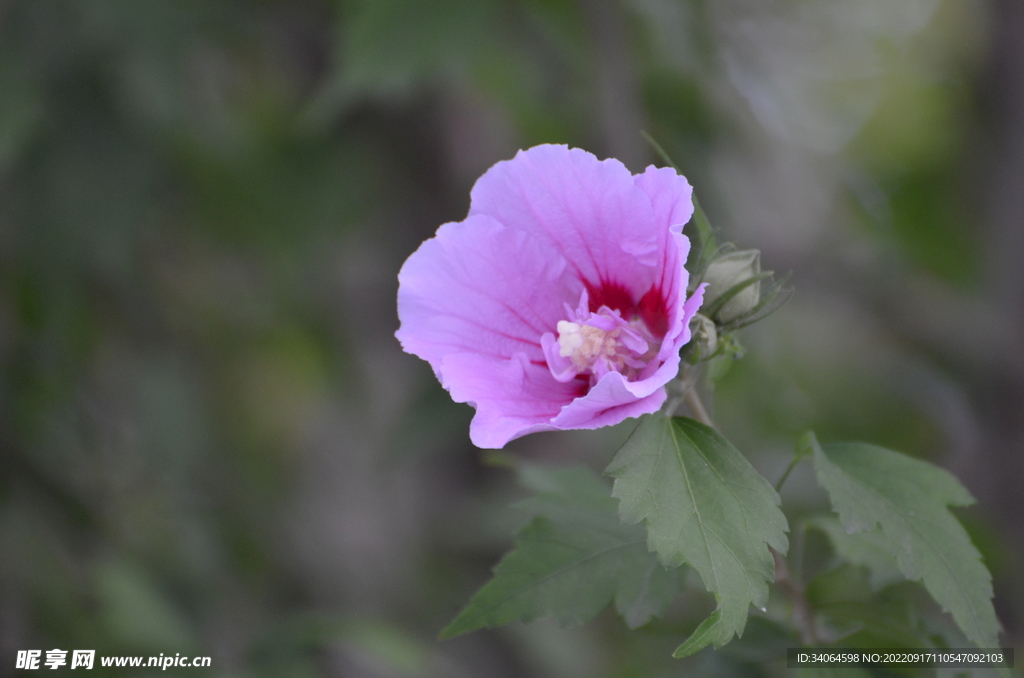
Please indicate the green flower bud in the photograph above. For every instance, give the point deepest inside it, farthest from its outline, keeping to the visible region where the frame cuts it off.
(724, 274)
(705, 336)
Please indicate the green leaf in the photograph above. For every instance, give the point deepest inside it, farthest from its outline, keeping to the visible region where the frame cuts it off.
(701, 637)
(908, 498)
(704, 505)
(571, 561)
(870, 549)
(871, 624)
(847, 611)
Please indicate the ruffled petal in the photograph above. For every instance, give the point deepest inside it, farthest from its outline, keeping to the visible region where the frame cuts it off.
(482, 288)
(669, 352)
(671, 198)
(610, 401)
(588, 210)
(512, 397)
(670, 194)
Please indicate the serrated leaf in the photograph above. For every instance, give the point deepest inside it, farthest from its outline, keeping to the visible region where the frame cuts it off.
(871, 624)
(571, 561)
(869, 549)
(908, 498)
(702, 636)
(704, 505)
(645, 593)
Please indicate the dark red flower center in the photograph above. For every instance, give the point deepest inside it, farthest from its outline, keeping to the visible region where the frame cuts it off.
(651, 307)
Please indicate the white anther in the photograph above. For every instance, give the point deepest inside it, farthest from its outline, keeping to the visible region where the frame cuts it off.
(585, 344)
(569, 338)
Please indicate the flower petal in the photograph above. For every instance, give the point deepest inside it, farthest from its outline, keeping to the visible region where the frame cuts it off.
(670, 194)
(588, 210)
(669, 352)
(562, 368)
(671, 198)
(609, 402)
(512, 397)
(480, 287)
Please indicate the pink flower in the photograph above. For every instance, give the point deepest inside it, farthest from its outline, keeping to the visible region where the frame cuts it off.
(559, 302)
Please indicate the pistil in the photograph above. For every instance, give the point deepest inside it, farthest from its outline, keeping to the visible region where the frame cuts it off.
(595, 343)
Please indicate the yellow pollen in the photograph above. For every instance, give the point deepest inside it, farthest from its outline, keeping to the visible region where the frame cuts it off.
(584, 344)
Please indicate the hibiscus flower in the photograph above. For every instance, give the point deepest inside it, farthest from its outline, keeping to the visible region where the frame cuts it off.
(560, 301)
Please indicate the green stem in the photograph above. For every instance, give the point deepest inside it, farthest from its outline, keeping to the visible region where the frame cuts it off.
(803, 613)
(697, 406)
(789, 469)
(684, 389)
(659, 150)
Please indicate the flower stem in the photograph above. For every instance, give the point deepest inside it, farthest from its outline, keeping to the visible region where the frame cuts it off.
(789, 469)
(684, 389)
(803, 613)
(697, 406)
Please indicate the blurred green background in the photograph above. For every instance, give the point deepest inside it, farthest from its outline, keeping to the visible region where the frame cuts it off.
(210, 442)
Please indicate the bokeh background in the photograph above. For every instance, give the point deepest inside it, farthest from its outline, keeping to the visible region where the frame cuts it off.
(211, 443)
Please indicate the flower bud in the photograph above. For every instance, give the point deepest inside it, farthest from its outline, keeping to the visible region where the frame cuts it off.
(725, 273)
(705, 336)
